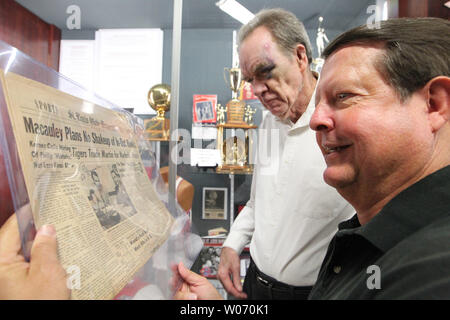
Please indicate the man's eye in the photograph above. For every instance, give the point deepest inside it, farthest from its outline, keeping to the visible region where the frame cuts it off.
(263, 76)
(342, 96)
(266, 72)
(268, 75)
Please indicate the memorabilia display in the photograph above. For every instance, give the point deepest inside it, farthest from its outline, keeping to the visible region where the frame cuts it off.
(204, 108)
(84, 175)
(157, 128)
(210, 259)
(234, 137)
(214, 204)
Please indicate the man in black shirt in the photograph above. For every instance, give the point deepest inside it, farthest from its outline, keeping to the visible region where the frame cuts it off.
(382, 121)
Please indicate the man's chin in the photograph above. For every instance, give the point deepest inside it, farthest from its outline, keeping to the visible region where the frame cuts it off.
(338, 177)
(280, 114)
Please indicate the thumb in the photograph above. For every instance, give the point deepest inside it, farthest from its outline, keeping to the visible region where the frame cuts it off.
(191, 278)
(44, 248)
(45, 268)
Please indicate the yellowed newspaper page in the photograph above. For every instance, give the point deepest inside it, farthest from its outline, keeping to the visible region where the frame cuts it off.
(84, 175)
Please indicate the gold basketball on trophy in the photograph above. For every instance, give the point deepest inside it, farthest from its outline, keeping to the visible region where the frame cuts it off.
(158, 98)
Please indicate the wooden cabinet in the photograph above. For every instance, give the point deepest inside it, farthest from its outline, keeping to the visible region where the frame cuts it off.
(27, 32)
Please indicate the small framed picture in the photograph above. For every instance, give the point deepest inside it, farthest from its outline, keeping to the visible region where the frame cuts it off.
(210, 258)
(204, 109)
(215, 203)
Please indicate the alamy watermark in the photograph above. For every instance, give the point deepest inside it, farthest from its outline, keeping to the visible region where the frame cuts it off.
(377, 12)
(374, 280)
(264, 147)
(74, 19)
(73, 280)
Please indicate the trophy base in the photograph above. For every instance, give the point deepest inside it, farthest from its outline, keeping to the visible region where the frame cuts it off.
(157, 129)
(234, 169)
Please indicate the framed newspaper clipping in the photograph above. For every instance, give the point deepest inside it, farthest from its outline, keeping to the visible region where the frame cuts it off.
(215, 203)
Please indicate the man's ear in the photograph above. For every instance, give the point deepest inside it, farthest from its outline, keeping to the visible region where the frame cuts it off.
(438, 99)
(301, 57)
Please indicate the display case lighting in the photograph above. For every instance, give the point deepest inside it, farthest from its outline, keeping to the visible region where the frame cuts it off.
(236, 10)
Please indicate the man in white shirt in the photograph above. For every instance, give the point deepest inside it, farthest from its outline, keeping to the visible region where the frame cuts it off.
(292, 214)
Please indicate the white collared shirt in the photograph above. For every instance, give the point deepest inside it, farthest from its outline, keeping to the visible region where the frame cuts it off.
(292, 213)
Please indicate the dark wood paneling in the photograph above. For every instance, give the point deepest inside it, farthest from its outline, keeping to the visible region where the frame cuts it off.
(27, 32)
(24, 30)
(54, 43)
(423, 8)
(436, 8)
(413, 8)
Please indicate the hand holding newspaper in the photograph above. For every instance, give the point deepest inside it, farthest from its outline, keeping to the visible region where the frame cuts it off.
(84, 175)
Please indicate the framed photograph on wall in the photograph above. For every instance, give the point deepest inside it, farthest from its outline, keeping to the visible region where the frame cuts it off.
(210, 258)
(214, 203)
(204, 108)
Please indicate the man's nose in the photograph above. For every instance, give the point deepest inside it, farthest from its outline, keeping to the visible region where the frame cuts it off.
(259, 87)
(322, 118)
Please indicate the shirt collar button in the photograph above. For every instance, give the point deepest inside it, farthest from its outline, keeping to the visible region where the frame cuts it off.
(337, 269)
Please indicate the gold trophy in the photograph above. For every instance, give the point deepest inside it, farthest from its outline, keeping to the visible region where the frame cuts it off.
(235, 107)
(234, 150)
(157, 128)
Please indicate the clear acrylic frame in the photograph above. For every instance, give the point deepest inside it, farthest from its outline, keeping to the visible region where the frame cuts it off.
(156, 279)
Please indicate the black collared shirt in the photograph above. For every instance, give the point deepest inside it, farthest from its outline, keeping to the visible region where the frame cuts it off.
(402, 253)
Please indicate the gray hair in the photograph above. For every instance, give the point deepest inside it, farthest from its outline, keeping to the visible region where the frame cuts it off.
(284, 26)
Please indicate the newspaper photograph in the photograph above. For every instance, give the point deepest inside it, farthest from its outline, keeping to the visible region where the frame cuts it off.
(84, 175)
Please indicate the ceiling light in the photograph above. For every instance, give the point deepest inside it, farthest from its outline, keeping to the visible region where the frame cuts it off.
(236, 10)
